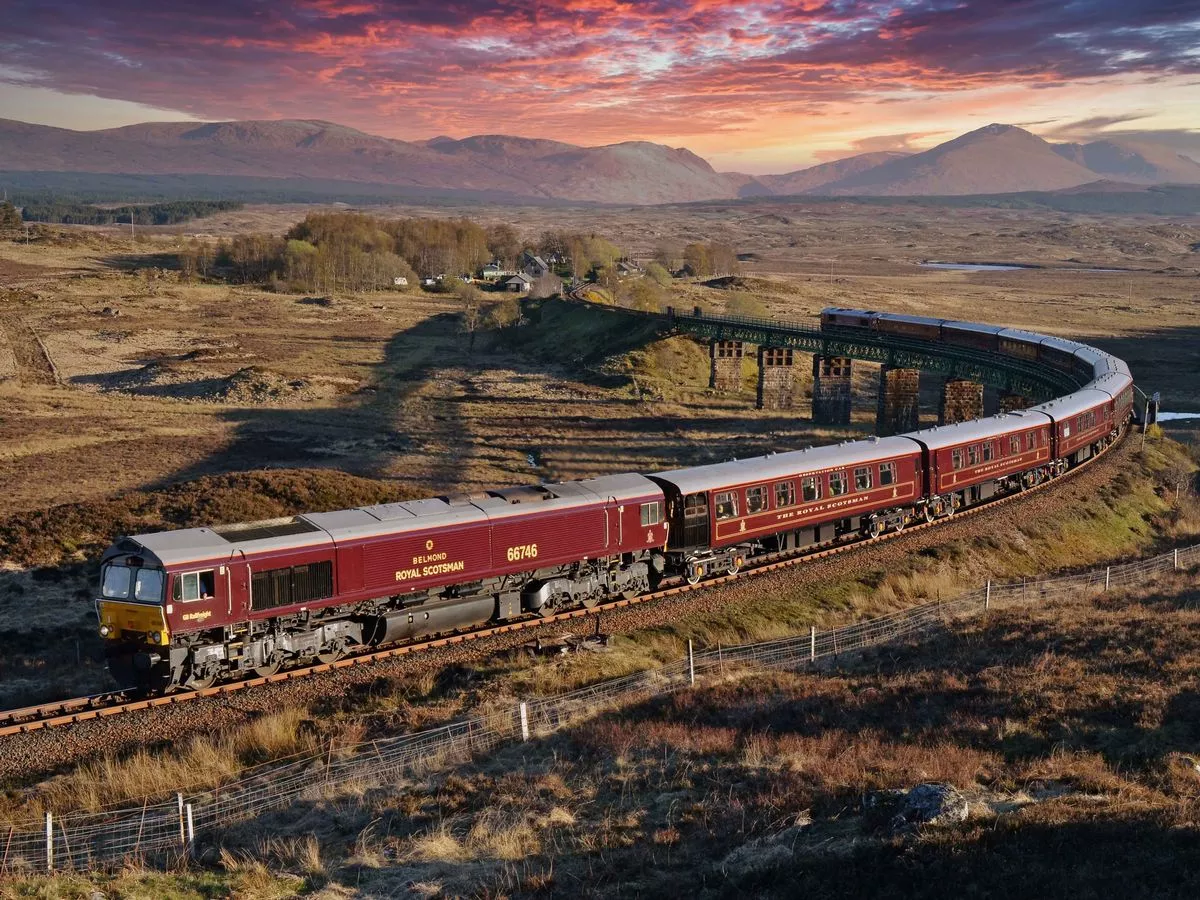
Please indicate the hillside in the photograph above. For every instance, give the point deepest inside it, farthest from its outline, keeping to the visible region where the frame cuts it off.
(991, 160)
(803, 180)
(1134, 162)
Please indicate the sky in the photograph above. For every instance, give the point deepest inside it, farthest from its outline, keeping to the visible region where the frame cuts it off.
(754, 87)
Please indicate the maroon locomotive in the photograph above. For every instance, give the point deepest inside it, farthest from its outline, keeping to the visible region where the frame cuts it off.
(182, 608)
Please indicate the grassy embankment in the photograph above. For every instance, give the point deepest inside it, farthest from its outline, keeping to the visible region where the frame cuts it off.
(1068, 728)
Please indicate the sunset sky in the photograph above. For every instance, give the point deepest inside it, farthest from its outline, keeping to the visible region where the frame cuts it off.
(753, 87)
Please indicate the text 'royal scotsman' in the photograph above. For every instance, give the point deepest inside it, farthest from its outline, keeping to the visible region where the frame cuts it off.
(186, 608)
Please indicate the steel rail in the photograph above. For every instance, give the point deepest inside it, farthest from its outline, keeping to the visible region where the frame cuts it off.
(98, 706)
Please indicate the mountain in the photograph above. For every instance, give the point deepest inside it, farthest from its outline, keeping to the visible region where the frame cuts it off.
(313, 159)
(1132, 161)
(994, 159)
(630, 172)
(803, 180)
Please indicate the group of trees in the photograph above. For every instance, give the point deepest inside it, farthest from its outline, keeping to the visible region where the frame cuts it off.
(67, 212)
(699, 259)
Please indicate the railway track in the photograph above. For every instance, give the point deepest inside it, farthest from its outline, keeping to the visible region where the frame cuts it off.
(80, 709)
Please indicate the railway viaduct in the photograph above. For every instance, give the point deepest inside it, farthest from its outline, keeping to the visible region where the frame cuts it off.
(782, 346)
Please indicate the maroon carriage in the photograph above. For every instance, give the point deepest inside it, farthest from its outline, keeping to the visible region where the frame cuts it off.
(969, 461)
(1083, 423)
(719, 513)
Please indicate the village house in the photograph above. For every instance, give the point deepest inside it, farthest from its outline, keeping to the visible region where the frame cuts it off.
(400, 281)
(493, 271)
(627, 267)
(519, 283)
(534, 266)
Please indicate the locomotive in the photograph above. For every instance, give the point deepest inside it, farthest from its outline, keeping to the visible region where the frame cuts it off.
(183, 609)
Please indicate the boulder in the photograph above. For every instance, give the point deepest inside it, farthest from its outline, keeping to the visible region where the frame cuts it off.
(930, 804)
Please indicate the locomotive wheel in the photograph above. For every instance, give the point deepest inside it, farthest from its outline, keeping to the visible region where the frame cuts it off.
(901, 523)
(269, 669)
(199, 683)
(590, 601)
(930, 514)
(693, 576)
(331, 656)
(874, 529)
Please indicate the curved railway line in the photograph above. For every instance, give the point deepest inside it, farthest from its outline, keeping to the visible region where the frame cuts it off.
(97, 706)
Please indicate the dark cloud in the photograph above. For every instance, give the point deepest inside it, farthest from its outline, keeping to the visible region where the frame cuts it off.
(683, 66)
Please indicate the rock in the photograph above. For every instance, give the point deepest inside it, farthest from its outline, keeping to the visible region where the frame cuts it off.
(930, 804)
(110, 311)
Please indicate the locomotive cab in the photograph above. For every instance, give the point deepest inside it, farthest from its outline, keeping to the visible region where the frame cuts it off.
(132, 613)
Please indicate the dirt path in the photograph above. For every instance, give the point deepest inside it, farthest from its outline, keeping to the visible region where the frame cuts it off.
(33, 364)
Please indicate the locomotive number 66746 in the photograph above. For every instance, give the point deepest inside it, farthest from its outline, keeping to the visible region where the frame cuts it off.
(522, 551)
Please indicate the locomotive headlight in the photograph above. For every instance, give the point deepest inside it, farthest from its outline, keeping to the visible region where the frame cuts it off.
(156, 637)
(105, 631)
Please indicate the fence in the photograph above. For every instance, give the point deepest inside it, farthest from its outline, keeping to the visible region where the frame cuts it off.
(92, 840)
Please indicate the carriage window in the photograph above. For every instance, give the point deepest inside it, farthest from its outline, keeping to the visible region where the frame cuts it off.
(1014, 444)
(1030, 440)
(726, 504)
(837, 483)
(195, 586)
(756, 499)
(956, 458)
(785, 494)
(988, 450)
(1066, 429)
(694, 507)
(973, 454)
(651, 513)
(887, 474)
(862, 478)
(810, 489)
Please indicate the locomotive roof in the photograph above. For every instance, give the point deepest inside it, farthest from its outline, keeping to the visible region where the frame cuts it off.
(174, 548)
(1073, 404)
(974, 327)
(786, 465)
(944, 436)
(915, 320)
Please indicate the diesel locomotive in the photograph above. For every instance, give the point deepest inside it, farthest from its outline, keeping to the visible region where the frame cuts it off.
(182, 609)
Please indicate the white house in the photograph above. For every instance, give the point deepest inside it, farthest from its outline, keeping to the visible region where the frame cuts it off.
(400, 281)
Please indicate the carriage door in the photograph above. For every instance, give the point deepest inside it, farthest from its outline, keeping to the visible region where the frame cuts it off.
(695, 520)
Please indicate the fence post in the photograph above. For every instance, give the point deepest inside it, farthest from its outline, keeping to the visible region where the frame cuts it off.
(691, 665)
(987, 596)
(49, 842)
(182, 832)
(191, 830)
(524, 713)
(1176, 559)
(1107, 578)
(720, 658)
(812, 643)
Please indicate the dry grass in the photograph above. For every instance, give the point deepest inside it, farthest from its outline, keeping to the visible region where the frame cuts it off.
(155, 772)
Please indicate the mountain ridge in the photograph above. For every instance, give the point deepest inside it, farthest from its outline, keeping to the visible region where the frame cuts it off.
(990, 160)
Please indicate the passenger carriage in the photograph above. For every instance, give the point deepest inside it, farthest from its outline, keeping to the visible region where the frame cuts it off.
(969, 462)
(720, 513)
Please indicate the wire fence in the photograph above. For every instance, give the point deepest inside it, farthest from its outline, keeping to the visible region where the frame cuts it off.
(168, 828)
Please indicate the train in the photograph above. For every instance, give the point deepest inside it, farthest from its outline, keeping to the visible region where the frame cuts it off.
(183, 609)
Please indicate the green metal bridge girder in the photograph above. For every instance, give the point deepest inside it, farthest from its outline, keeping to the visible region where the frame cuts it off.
(1005, 373)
